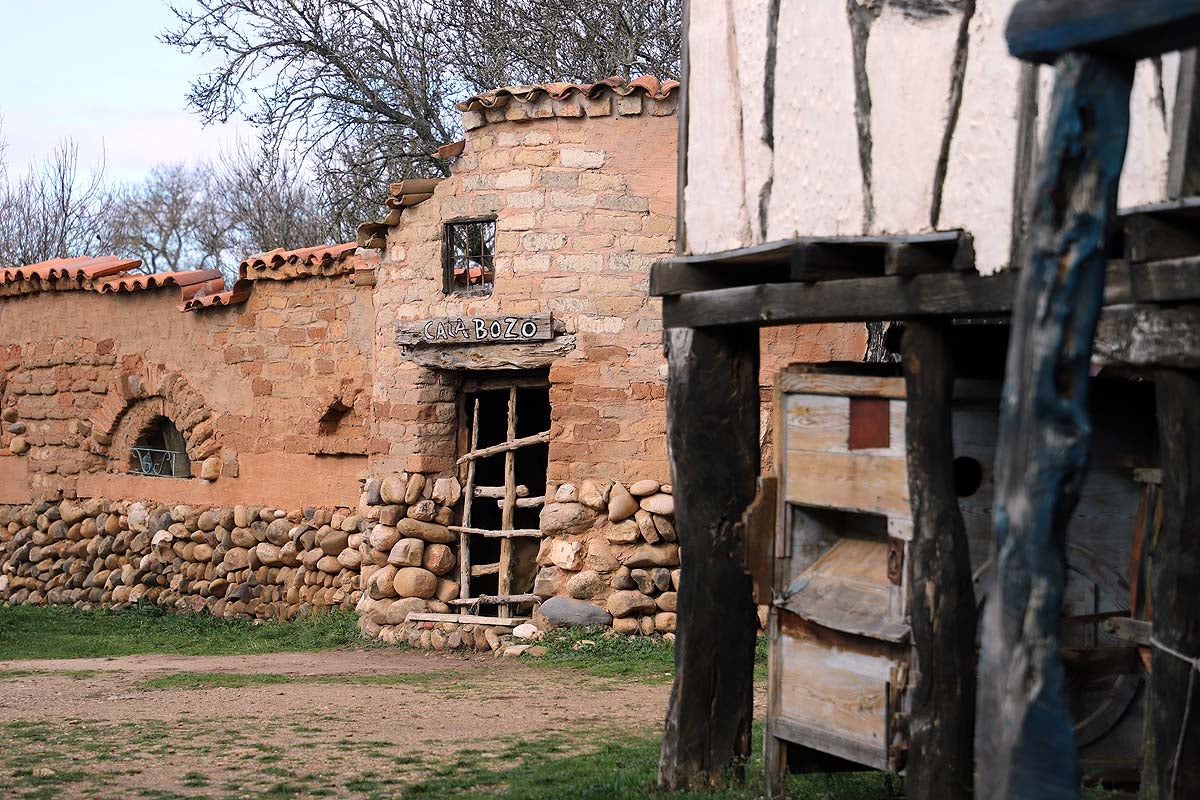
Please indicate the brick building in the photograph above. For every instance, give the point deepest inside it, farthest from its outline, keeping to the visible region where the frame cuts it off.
(460, 412)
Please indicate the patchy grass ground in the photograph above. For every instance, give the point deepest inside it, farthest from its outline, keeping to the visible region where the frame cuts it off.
(149, 705)
(31, 632)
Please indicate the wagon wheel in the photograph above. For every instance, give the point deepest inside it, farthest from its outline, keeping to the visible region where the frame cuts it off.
(1102, 687)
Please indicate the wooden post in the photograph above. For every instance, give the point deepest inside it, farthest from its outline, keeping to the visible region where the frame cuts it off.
(941, 595)
(712, 428)
(1025, 746)
(1176, 603)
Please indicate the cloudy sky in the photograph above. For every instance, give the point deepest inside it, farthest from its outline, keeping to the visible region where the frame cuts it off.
(94, 72)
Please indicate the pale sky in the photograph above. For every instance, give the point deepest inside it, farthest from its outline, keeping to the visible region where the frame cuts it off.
(94, 71)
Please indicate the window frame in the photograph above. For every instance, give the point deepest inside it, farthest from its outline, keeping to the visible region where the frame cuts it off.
(449, 287)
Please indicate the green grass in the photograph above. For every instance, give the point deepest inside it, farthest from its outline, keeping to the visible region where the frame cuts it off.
(613, 766)
(238, 680)
(63, 632)
(645, 658)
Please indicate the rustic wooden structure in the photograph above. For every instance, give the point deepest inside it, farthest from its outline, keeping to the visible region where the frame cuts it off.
(1083, 268)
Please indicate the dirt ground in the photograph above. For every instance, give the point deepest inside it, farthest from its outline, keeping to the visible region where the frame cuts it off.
(343, 724)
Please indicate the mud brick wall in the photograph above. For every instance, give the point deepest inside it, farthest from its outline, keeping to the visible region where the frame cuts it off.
(248, 386)
(583, 206)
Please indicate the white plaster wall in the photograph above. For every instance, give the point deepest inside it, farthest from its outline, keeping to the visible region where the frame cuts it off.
(750, 25)
(909, 63)
(818, 185)
(716, 184)
(978, 192)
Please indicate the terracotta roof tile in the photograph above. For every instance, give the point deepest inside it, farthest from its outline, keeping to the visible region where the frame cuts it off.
(283, 264)
(648, 85)
(190, 283)
(240, 293)
(70, 269)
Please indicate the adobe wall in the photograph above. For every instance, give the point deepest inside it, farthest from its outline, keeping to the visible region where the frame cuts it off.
(248, 383)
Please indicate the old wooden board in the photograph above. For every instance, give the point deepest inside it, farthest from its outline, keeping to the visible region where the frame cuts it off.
(847, 589)
(834, 690)
(475, 330)
(873, 484)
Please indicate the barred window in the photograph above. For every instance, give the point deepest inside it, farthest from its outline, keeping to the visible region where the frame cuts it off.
(160, 450)
(467, 256)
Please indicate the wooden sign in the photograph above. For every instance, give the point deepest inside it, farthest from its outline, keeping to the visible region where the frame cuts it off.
(475, 330)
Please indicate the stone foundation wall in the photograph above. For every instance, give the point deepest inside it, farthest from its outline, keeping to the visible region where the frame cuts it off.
(609, 557)
(240, 561)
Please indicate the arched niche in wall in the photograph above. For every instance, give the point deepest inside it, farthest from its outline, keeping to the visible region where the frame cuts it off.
(156, 407)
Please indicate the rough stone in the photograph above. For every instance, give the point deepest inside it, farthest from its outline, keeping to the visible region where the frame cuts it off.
(423, 510)
(566, 493)
(624, 603)
(644, 488)
(667, 601)
(621, 504)
(406, 553)
(565, 612)
(438, 559)
(645, 523)
(446, 491)
(398, 610)
(623, 579)
(546, 582)
(447, 590)
(662, 579)
(415, 582)
(564, 519)
(621, 532)
(652, 555)
(428, 531)
(593, 495)
(663, 504)
(566, 554)
(600, 556)
(585, 585)
(384, 537)
(664, 622)
(333, 543)
(665, 527)
(413, 492)
(392, 489)
(643, 581)
(210, 468)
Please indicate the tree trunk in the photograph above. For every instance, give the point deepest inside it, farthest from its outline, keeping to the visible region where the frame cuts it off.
(1176, 603)
(1025, 745)
(941, 595)
(712, 425)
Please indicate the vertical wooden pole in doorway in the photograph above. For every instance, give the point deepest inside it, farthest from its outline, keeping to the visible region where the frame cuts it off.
(712, 430)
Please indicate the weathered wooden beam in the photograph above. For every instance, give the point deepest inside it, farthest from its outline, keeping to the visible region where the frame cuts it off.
(465, 619)
(941, 597)
(1175, 605)
(496, 599)
(1183, 164)
(895, 298)
(1043, 30)
(1025, 745)
(712, 429)
(1148, 336)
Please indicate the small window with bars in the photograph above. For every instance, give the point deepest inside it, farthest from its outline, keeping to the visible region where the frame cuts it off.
(467, 256)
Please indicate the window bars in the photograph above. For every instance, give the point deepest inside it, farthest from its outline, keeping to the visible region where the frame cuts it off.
(157, 462)
(467, 256)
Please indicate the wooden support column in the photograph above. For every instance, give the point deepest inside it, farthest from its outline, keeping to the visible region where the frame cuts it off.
(1025, 746)
(941, 595)
(712, 428)
(1176, 602)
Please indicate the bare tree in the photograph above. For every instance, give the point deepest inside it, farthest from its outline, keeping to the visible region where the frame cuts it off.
(367, 86)
(268, 200)
(54, 211)
(169, 222)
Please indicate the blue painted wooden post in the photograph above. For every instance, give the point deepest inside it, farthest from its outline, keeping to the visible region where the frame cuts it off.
(1025, 748)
